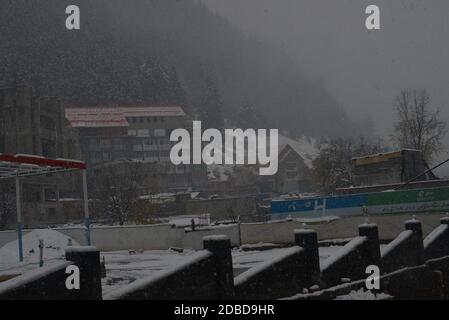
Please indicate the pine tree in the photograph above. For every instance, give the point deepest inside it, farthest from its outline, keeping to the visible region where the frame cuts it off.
(210, 110)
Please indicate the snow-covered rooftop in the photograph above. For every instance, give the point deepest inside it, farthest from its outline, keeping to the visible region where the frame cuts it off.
(116, 117)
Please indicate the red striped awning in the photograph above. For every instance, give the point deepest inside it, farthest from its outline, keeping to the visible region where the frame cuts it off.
(27, 165)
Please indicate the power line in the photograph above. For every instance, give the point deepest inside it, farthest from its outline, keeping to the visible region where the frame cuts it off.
(422, 174)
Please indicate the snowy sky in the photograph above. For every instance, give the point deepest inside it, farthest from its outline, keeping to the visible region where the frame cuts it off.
(363, 70)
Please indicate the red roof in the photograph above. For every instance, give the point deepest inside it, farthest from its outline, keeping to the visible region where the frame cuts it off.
(28, 165)
(116, 117)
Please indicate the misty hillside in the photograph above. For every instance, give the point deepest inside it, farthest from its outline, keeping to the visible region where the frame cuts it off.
(159, 52)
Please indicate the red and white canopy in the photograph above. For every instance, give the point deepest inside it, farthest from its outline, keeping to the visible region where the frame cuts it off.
(22, 165)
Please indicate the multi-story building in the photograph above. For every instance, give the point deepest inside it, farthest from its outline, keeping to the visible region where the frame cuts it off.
(35, 125)
(118, 135)
(31, 125)
(107, 134)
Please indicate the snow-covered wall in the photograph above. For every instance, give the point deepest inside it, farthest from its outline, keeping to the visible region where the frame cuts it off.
(149, 237)
(194, 240)
(404, 251)
(436, 244)
(163, 236)
(281, 276)
(194, 278)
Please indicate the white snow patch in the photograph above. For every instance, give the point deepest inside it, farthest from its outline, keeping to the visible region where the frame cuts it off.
(55, 244)
(327, 252)
(81, 249)
(431, 237)
(216, 238)
(363, 295)
(304, 231)
(345, 250)
(33, 275)
(142, 283)
(393, 244)
(319, 219)
(266, 264)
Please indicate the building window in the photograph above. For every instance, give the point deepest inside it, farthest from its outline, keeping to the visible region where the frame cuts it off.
(292, 175)
(137, 147)
(159, 132)
(132, 132)
(48, 148)
(105, 143)
(48, 123)
(119, 155)
(32, 196)
(95, 156)
(143, 133)
(2, 143)
(94, 143)
(118, 144)
(51, 212)
(291, 165)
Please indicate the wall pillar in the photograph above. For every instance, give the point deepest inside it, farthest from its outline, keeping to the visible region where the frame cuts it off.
(308, 240)
(87, 259)
(372, 253)
(220, 246)
(415, 226)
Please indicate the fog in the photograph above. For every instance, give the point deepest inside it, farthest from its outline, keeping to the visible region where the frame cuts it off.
(363, 69)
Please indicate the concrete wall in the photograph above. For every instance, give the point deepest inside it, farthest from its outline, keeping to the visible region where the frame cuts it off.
(49, 282)
(159, 237)
(194, 240)
(221, 209)
(274, 279)
(151, 237)
(192, 280)
(281, 231)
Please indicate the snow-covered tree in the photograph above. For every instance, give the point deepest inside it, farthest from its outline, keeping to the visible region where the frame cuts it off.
(115, 189)
(332, 167)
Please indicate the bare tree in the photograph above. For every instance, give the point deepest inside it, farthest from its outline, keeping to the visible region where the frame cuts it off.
(332, 168)
(418, 126)
(116, 190)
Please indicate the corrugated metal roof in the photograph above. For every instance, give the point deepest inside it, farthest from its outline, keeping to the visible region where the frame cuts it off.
(116, 117)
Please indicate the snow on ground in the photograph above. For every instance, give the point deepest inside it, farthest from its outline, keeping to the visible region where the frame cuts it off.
(364, 295)
(244, 260)
(326, 252)
(317, 220)
(123, 268)
(54, 249)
